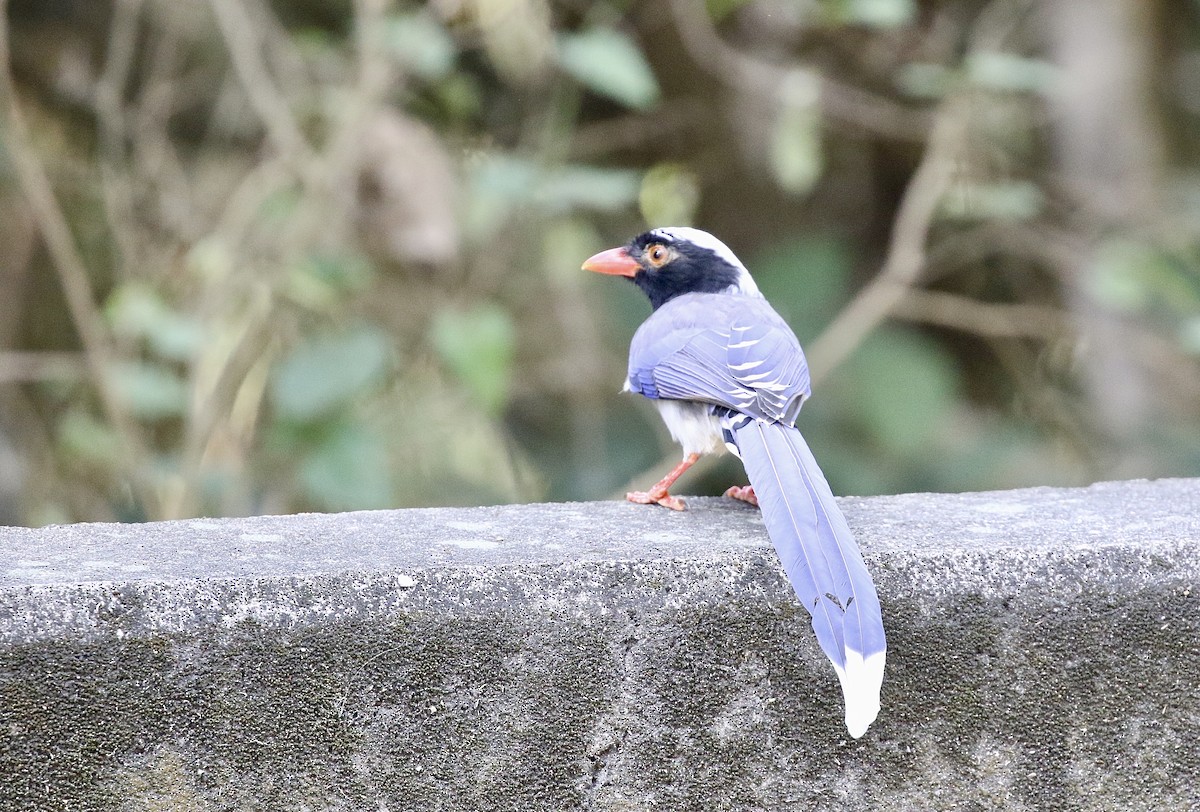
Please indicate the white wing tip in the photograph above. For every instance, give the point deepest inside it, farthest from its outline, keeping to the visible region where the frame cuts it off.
(861, 681)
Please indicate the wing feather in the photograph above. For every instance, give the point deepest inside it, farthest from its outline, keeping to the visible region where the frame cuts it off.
(754, 365)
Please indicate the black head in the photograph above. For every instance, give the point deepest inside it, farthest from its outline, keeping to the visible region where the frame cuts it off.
(668, 262)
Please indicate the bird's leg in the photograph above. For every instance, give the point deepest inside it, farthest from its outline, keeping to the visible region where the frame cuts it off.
(658, 494)
(744, 492)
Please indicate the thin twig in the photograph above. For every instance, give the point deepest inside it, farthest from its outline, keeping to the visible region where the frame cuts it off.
(72, 272)
(281, 54)
(753, 75)
(35, 367)
(268, 102)
(988, 319)
(156, 164)
(906, 250)
(243, 204)
(323, 216)
(636, 130)
(332, 179)
(217, 377)
(107, 98)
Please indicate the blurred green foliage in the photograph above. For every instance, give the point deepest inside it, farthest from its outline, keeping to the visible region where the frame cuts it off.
(328, 372)
(332, 252)
(608, 62)
(477, 347)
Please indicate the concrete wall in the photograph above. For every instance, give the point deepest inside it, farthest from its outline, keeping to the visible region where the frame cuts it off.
(1044, 654)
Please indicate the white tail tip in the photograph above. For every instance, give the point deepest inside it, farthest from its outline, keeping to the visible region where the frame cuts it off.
(861, 682)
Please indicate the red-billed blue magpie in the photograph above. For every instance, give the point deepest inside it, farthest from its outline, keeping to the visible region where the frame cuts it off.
(726, 371)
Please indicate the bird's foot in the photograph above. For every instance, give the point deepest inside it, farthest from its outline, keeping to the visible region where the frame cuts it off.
(656, 498)
(658, 494)
(744, 493)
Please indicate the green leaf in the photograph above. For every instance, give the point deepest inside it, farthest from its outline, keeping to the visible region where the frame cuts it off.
(501, 182)
(279, 207)
(874, 13)
(608, 62)
(565, 243)
(344, 273)
(587, 187)
(1189, 335)
(1120, 272)
(1002, 200)
(133, 309)
(136, 310)
(210, 259)
(460, 96)
(420, 44)
(348, 471)
(924, 80)
(720, 9)
(323, 280)
(498, 183)
(1135, 277)
(901, 386)
(478, 347)
(997, 70)
(85, 439)
(796, 155)
(669, 195)
(151, 391)
(327, 372)
(178, 338)
(806, 278)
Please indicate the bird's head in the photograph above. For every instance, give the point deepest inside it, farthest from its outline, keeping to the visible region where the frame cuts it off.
(668, 262)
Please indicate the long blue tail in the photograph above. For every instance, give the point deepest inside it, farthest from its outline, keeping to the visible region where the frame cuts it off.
(821, 560)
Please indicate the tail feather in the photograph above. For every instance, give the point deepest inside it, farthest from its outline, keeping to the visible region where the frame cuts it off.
(791, 517)
(821, 559)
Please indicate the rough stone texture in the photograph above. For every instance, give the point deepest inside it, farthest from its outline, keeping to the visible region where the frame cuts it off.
(1044, 654)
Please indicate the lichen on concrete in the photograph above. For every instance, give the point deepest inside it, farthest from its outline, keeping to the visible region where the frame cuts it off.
(1044, 653)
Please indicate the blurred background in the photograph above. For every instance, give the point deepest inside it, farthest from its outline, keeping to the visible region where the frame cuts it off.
(265, 257)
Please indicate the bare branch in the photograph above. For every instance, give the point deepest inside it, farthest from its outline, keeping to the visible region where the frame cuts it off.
(107, 100)
(34, 367)
(750, 74)
(906, 251)
(636, 130)
(241, 38)
(982, 318)
(72, 272)
(326, 207)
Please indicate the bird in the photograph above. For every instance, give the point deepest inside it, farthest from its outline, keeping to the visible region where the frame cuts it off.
(727, 373)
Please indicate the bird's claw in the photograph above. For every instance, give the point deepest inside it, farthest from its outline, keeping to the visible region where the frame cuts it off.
(744, 493)
(652, 498)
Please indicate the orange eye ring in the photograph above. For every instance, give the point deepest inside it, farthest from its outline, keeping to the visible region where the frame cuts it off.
(658, 255)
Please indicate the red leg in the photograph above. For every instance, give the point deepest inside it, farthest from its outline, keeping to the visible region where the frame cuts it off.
(658, 494)
(745, 493)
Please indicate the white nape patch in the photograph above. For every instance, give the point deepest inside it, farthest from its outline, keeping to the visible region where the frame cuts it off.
(692, 426)
(745, 284)
(861, 682)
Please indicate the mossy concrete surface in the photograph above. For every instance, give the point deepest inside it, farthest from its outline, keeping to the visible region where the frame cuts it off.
(1044, 654)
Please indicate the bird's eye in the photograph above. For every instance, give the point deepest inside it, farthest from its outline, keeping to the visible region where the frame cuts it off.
(658, 255)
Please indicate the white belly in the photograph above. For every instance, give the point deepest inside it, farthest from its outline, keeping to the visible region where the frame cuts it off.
(692, 426)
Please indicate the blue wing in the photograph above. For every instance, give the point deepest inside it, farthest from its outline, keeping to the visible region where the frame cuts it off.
(727, 350)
